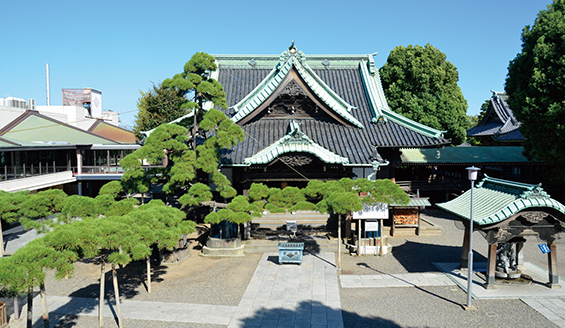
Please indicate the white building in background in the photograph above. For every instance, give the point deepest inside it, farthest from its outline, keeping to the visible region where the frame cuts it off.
(81, 108)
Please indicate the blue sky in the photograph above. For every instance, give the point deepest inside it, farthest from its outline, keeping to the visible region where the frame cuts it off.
(121, 47)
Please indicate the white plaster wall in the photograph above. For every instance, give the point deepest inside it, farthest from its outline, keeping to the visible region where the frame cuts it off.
(362, 172)
(8, 114)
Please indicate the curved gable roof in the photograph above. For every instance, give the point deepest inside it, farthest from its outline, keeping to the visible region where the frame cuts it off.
(496, 200)
(295, 141)
(272, 81)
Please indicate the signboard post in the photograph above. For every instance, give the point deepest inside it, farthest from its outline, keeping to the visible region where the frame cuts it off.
(371, 213)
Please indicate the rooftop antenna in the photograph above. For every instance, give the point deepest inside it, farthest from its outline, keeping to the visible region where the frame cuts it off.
(47, 79)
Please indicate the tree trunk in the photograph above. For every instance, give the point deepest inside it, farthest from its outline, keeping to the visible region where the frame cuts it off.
(30, 308)
(148, 261)
(16, 307)
(117, 294)
(101, 304)
(44, 306)
(1, 241)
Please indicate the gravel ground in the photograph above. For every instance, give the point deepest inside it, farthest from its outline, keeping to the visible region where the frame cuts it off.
(196, 280)
(432, 307)
(88, 321)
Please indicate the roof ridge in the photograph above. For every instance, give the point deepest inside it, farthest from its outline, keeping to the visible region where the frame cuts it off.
(519, 189)
(274, 79)
(28, 113)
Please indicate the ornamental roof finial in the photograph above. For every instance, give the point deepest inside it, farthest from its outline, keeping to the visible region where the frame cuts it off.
(292, 48)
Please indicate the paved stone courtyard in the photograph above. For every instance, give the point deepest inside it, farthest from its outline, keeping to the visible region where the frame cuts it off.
(414, 286)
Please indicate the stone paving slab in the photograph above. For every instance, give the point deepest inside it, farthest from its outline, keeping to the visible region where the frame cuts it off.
(552, 309)
(395, 280)
(143, 310)
(291, 295)
(537, 289)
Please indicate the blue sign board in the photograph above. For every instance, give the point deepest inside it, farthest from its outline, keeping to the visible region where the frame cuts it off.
(544, 248)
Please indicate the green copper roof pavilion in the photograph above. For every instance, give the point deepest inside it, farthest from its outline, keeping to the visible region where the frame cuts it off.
(496, 200)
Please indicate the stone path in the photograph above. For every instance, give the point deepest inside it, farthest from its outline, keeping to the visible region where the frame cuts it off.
(551, 308)
(395, 280)
(291, 295)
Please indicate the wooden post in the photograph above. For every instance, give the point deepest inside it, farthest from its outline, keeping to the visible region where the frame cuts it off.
(418, 227)
(117, 294)
(491, 267)
(148, 262)
(359, 237)
(29, 308)
(465, 248)
(552, 264)
(44, 306)
(101, 300)
(339, 242)
(519, 254)
(381, 232)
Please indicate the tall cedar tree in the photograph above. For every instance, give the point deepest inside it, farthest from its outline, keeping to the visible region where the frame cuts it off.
(536, 87)
(421, 84)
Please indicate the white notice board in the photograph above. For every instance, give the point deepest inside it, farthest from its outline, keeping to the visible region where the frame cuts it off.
(374, 211)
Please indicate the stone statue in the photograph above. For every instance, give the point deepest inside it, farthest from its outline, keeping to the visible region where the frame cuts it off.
(506, 262)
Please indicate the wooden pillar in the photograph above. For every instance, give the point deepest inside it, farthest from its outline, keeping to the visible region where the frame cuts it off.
(339, 241)
(520, 255)
(418, 227)
(552, 266)
(465, 249)
(359, 237)
(79, 162)
(381, 233)
(491, 267)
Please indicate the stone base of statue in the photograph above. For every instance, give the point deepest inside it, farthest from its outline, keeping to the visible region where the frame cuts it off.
(507, 275)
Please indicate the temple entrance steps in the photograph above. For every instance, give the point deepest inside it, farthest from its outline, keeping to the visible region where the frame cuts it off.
(304, 219)
(312, 245)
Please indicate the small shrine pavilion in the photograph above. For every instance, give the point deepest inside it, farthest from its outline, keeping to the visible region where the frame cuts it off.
(506, 212)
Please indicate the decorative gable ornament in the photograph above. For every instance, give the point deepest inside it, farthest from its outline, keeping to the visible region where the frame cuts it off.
(295, 141)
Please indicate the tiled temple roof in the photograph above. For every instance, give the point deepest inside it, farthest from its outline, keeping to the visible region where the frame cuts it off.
(495, 200)
(351, 86)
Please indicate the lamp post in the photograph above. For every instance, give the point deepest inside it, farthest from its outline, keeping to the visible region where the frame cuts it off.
(472, 175)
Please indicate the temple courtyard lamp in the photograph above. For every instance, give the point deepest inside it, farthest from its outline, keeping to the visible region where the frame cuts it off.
(472, 175)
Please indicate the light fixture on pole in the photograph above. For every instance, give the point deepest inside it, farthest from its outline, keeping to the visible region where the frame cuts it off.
(472, 175)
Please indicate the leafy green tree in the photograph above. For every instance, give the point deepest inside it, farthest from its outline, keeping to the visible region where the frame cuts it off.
(421, 84)
(536, 87)
(157, 106)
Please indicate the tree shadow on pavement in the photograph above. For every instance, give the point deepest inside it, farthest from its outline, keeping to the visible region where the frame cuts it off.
(131, 282)
(419, 257)
(311, 314)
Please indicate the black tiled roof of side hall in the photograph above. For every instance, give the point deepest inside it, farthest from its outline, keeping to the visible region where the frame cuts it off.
(347, 141)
